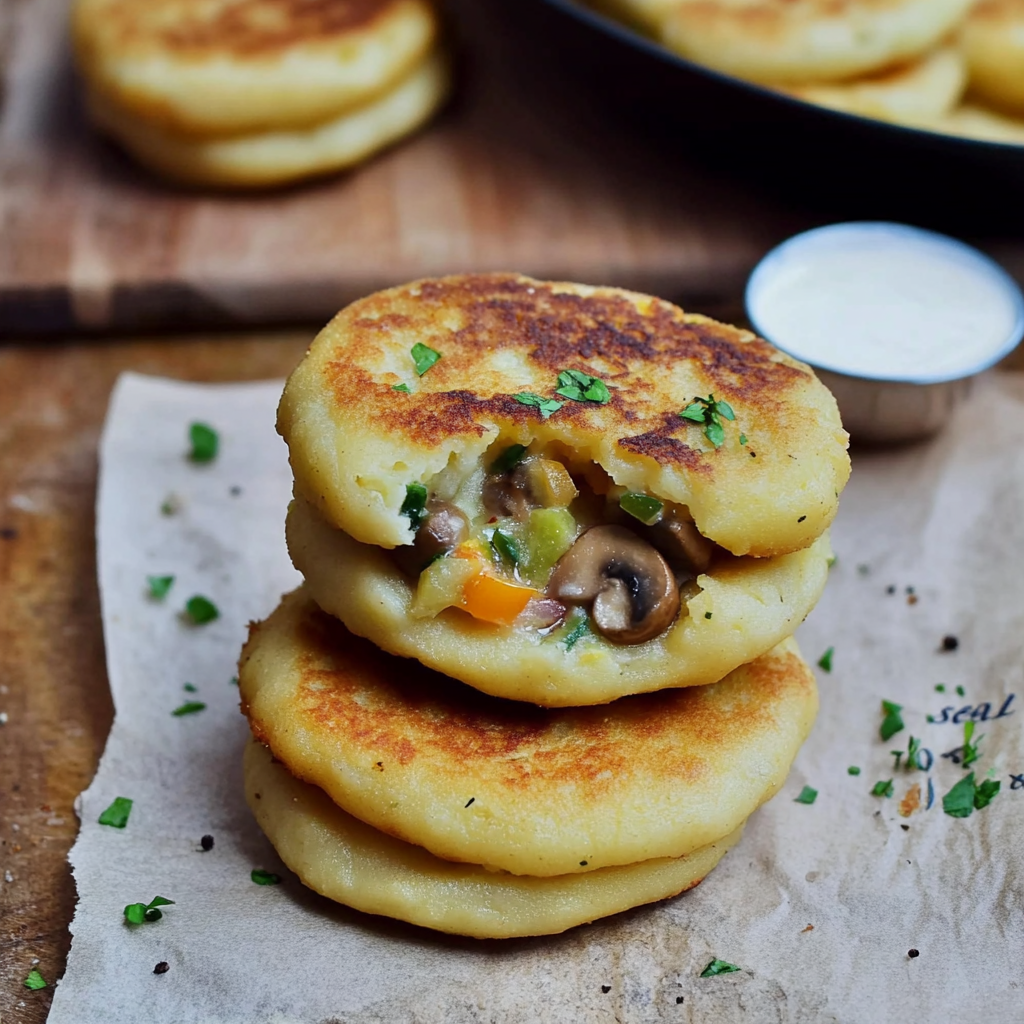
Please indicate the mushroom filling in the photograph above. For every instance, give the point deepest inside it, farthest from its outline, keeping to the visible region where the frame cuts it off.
(528, 539)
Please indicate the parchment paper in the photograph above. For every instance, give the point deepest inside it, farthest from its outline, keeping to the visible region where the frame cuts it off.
(944, 518)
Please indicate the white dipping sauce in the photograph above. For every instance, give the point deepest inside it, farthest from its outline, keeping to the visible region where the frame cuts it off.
(886, 301)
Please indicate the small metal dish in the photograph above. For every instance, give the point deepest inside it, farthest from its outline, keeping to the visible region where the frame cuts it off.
(912, 396)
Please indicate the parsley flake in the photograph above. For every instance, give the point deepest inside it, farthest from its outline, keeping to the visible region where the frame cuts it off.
(190, 707)
(205, 442)
(959, 801)
(506, 546)
(546, 406)
(985, 793)
(825, 661)
(404, 388)
(642, 506)
(577, 633)
(893, 721)
(807, 796)
(709, 412)
(190, 688)
(970, 754)
(960, 691)
(719, 967)
(35, 981)
(743, 438)
(200, 610)
(139, 913)
(116, 815)
(424, 357)
(508, 459)
(581, 387)
(415, 504)
(261, 877)
(159, 586)
(853, 770)
(883, 788)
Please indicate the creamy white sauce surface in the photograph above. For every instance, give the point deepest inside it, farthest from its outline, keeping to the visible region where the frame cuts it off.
(885, 301)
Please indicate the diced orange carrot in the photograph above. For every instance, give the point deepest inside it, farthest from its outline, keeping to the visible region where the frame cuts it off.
(496, 600)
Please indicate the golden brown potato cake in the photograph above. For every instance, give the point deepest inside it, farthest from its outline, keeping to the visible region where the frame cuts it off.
(365, 418)
(993, 40)
(218, 68)
(801, 41)
(347, 861)
(478, 780)
(275, 157)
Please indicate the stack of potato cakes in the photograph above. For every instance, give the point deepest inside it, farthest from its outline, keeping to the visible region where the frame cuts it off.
(954, 66)
(250, 93)
(555, 541)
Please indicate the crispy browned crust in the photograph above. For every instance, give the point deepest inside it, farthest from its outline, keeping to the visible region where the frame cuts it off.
(603, 334)
(245, 28)
(406, 729)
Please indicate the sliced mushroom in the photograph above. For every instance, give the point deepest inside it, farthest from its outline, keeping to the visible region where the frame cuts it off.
(444, 528)
(677, 538)
(634, 594)
(534, 483)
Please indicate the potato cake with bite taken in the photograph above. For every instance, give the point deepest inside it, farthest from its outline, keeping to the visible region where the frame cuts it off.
(492, 471)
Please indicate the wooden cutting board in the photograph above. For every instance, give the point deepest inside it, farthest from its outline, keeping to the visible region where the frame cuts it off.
(507, 178)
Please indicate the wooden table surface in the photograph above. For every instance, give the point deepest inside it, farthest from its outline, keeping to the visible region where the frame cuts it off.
(53, 683)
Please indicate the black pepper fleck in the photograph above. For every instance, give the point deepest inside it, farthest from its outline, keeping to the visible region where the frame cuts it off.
(910, 590)
(9, 533)
(913, 953)
(206, 843)
(583, 863)
(162, 968)
(906, 828)
(950, 643)
(471, 799)
(606, 988)
(679, 999)
(891, 589)
(235, 491)
(801, 519)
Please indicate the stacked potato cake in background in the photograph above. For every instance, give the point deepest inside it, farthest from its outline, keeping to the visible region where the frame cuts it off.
(589, 523)
(946, 65)
(251, 93)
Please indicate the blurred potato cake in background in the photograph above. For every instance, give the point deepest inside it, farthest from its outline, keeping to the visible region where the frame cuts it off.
(251, 93)
(909, 62)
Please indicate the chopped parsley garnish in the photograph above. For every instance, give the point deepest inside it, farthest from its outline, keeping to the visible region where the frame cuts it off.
(139, 913)
(159, 586)
(743, 438)
(807, 796)
(710, 413)
(966, 797)
(940, 688)
(642, 506)
(116, 815)
(719, 967)
(893, 721)
(581, 387)
(200, 610)
(424, 357)
(189, 688)
(506, 546)
(960, 691)
(970, 749)
(233, 681)
(911, 762)
(883, 788)
(825, 661)
(547, 406)
(169, 505)
(404, 388)
(577, 633)
(853, 770)
(831, 561)
(509, 458)
(190, 707)
(261, 877)
(415, 504)
(204, 441)
(34, 981)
